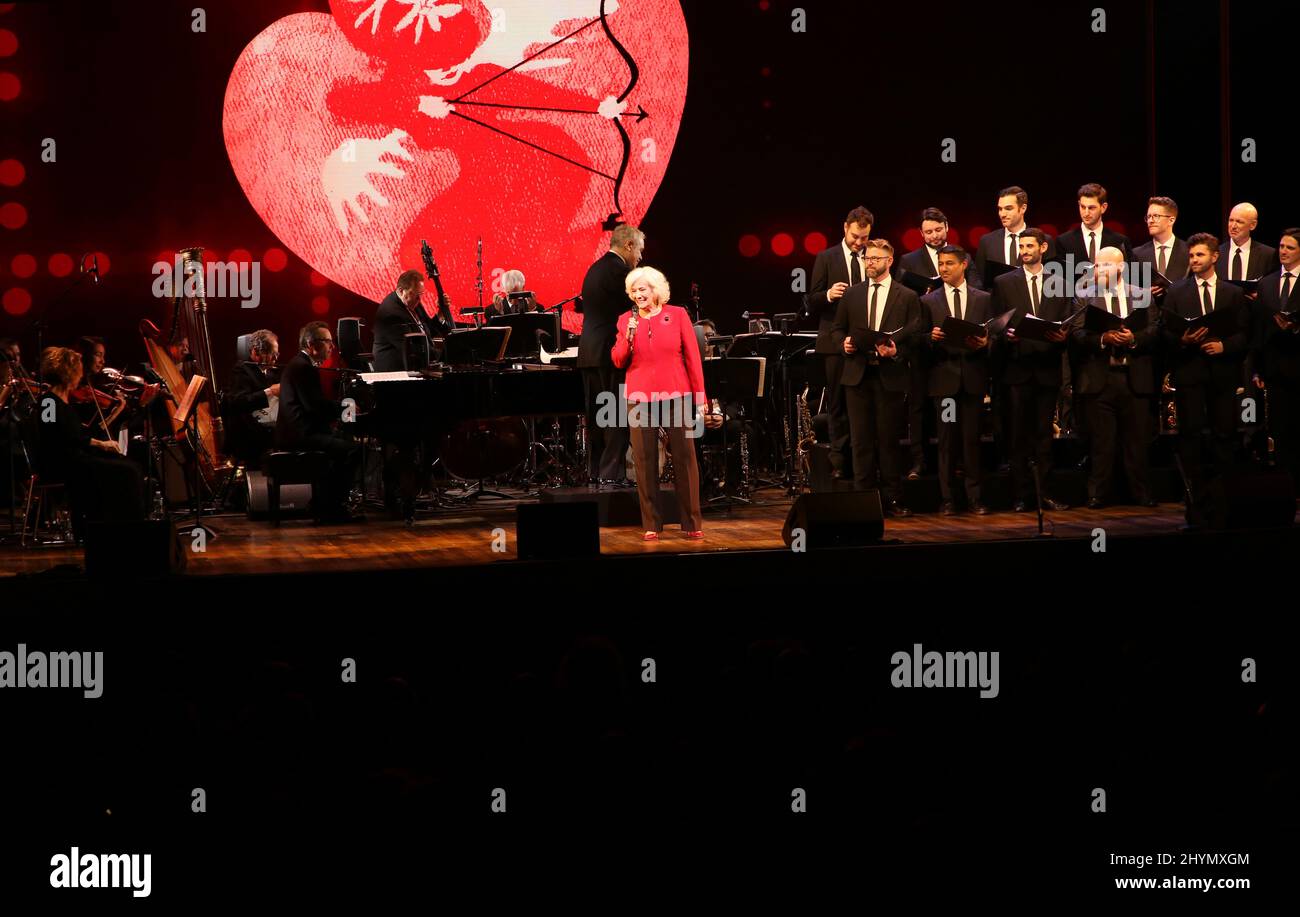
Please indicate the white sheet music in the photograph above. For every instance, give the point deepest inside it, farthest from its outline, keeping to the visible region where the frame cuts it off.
(268, 414)
(570, 353)
(399, 376)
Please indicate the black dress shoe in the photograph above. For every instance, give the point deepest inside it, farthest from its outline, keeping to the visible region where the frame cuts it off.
(1055, 506)
(1020, 506)
(979, 509)
(894, 508)
(1148, 503)
(916, 471)
(1095, 503)
(948, 508)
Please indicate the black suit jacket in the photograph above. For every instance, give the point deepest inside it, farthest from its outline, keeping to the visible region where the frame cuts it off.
(902, 309)
(1175, 269)
(304, 409)
(391, 325)
(992, 247)
(1094, 360)
(1263, 260)
(1075, 242)
(1276, 353)
(246, 393)
(1187, 363)
(828, 269)
(1027, 361)
(604, 299)
(918, 262)
(952, 367)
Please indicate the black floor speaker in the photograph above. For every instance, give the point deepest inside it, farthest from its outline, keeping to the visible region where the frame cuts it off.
(146, 548)
(549, 531)
(836, 520)
(1250, 500)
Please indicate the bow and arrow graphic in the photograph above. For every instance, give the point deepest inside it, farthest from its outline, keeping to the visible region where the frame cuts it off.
(614, 114)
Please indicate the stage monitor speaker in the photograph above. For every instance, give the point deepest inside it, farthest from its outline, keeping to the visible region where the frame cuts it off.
(553, 531)
(416, 352)
(836, 520)
(348, 338)
(1250, 500)
(150, 547)
(295, 499)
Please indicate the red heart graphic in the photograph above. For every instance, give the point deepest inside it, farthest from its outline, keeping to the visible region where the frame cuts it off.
(356, 135)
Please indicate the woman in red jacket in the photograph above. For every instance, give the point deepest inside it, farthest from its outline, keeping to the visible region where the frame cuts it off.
(665, 390)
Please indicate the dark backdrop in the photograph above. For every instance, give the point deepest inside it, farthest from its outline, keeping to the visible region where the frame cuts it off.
(783, 132)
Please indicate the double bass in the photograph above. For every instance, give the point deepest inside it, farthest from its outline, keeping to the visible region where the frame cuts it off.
(188, 353)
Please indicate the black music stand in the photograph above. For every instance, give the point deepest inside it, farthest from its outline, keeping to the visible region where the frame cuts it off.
(728, 379)
(781, 351)
(527, 330)
(475, 345)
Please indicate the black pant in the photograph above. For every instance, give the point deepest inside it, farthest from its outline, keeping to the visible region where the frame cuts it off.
(1198, 405)
(1114, 412)
(961, 430)
(1284, 424)
(837, 415)
(606, 443)
(875, 414)
(107, 488)
(343, 458)
(1031, 409)
(918, 380)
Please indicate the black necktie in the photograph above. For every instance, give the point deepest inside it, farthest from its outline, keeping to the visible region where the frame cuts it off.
(1236, 266)
(1286, 289)
(1114, 304)
(1013, 250)
(871, 317)
(1163, 264)
(1033, 294)
(855, 272)
(1092, 247)
(1207, 305)
(956, 302)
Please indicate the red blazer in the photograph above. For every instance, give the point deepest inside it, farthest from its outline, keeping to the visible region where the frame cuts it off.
(664, 360)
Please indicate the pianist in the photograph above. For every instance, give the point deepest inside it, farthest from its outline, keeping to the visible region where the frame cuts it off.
(251, 400)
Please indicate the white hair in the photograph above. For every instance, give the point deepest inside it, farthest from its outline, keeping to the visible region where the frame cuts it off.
(512, 281)
(658, 282)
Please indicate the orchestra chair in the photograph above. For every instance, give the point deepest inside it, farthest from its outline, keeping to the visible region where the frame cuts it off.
(43, 500)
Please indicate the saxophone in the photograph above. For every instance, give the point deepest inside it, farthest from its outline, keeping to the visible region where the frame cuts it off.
(807, 436)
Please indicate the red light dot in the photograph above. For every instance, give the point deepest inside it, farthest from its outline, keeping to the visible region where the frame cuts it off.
(7, 7)
(60, 265)
(764, 5)
(12, 172)
(320, 305)
(9, 87)
(104, 263)
(976, 233)
(912, 239)
(239, 256)
(750, 246)
(1118, 227)
(8, 43)
(17, 301)
(767, 103)
(1049, 228)
(766, 71)
(318, 279)
(814, 242)
(275, 259)
(13, 216)
(782, 244)
(23, 265)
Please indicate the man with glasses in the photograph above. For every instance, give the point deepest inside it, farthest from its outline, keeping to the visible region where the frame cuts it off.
(306, 423)
(1165, 253)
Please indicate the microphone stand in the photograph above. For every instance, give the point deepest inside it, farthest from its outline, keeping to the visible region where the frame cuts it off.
(1038, 497)
(39, 323)
(478, 283)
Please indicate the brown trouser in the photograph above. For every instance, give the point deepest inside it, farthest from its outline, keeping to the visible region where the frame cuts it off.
(645, 453)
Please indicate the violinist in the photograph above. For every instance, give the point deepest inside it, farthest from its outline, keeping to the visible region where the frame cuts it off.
(97, 407)
(252, 400)
(102, 483)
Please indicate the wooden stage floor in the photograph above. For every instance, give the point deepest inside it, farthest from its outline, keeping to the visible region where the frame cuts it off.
(465, 538)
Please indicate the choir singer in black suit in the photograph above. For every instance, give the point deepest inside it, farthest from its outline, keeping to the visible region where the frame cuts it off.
(834, 271)
(1116, 382)
(1277, 352)
(604, 299)
(1165, 253)
(875, 376)
(1206, 370)
(400, 314)
(1003, 245)
(959, 376)
(306, 423)
(1091, 235)
(1241, 257)
(924, 262)
(1031, 369)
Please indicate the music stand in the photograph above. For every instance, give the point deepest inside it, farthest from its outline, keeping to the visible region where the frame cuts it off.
(526, 332)
(475, 345)
(731, 380)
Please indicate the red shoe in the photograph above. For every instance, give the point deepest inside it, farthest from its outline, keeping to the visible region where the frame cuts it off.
(695, 534)
(650, 536)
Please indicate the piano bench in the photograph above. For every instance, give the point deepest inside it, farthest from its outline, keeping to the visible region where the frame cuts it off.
(290, 468)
